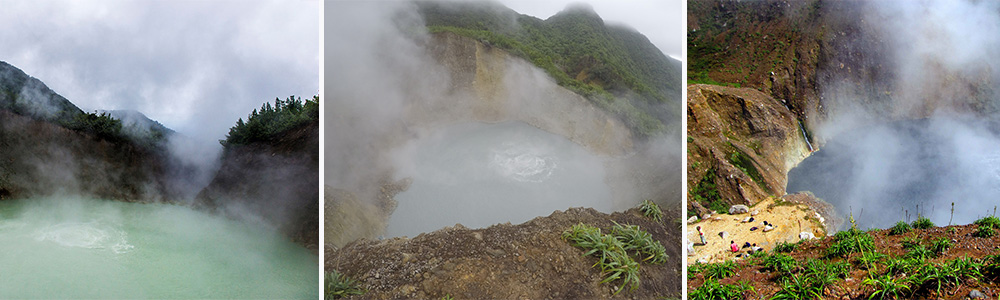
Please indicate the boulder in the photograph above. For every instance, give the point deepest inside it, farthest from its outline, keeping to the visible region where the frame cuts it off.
(805, 235)
(692, 219)
(738, 209)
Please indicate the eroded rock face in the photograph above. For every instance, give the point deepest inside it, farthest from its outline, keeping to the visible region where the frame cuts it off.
(39, 158)
(489, 85)
(749, 139)
(276, 181)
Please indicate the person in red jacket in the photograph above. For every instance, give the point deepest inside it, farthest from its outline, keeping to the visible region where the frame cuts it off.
(733, 246)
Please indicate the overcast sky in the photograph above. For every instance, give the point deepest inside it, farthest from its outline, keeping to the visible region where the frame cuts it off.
(195, 66)
(661, 21)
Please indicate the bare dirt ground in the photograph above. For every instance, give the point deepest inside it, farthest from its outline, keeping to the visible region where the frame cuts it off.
(504, 261)
(791, 219)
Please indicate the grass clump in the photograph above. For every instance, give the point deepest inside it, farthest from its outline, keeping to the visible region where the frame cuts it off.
(651, 210)
(940, 245)
(712, 289)
(718, 270)
(634, 239)
(989, 221)
(922, 223)
(781, 263)
(614, 261)
(850, 241)
(785, 247)
(984, 232)
(900, 228)
(338, 286)
(886, 287)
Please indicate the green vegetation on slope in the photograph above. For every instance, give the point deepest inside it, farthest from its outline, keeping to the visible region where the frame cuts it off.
(612, 250)
(338, 286)
(264, 124)
(616, 68)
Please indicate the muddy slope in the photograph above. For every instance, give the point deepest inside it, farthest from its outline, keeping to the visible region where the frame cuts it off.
(504, 261)
(276, 180)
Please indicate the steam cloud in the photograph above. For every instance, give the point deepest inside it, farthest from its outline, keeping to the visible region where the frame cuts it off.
(385, 87)
(937, 60)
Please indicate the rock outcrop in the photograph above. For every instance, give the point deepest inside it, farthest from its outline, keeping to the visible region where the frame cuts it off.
(742, 142)
(277, 181)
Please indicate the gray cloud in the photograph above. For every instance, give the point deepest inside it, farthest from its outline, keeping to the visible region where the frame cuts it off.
(194, 66)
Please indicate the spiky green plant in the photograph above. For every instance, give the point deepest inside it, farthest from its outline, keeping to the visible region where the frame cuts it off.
(989, 221)
(900, 228)
(613, 259)
(785, 247)
(922, 223)
(919, 252)
(641, 242)
(886, 287)
(713, 290)
(984, 232)
(799, 287)
(338, 286)
(870, 258)
(780, 263)
(850, 241)
(719, 270)
(910, 243)
(940, 245)
(651, 210)
(901, 265)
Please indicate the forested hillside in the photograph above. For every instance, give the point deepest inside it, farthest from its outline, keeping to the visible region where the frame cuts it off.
(615, 67)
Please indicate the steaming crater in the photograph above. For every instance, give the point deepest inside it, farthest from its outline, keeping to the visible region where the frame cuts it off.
(882, 172)
(480, 174)
(109, 249)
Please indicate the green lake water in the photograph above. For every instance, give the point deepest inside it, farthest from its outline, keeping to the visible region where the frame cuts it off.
(86, 248)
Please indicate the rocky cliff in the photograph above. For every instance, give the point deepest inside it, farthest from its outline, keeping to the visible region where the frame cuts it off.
(275, 180)
(742, 143)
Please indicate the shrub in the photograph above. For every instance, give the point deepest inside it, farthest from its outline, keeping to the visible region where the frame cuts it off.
(922, 223)
(900, 228)
(338, 286)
